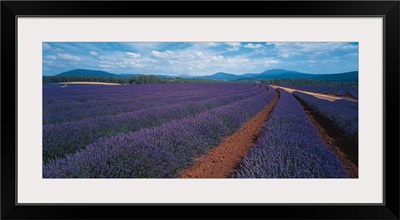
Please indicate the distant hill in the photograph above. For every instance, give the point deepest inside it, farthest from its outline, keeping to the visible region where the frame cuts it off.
(266, 75)
(285, 74)
(271, 73)
(222, 76)
(86, 72)
(277, 74)
(186, 76)
(126, 75)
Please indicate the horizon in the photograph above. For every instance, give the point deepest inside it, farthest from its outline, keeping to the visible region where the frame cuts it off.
(200, 58)
(205, 75)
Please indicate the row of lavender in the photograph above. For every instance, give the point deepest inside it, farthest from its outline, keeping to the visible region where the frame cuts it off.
(63, 138)
(338, 91)
(289, 147)
(343, 114)
(64, 104)
(55, 97)
(161, 151)
(60, 139)
(104, 109)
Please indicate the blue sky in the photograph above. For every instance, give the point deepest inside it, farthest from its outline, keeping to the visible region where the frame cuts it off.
(193, 58)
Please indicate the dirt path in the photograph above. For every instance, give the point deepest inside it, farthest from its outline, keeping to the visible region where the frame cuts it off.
(221, 161)
(318, 95)
(344, 148)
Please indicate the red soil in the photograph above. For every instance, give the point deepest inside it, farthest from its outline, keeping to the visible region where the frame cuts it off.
(221, 161)
(344, 148)
(318, 95)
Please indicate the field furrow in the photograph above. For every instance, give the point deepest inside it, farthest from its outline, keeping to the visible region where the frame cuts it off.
(161, 151)
(289, 147)
(342, 115)
(64, 138)
(115, 103)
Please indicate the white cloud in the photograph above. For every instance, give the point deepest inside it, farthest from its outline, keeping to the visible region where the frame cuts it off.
(269, 63)
(137, 65)
(50, 57)
(105, 65)
(159, 54)
(200, 54)
(233, 46)
(48, 61)
(68, 57)
(351, 55)
(348, 47)
(132, 55)
(285, 55)
(237, 60)
(212, 44)
(253, 46)
(312, 49)
(93, 53)
(217, 58)
(142, 46)
(46, 46)
(312, 63)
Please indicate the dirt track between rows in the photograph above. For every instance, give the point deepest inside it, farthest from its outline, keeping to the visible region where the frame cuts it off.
(221, 161)
(344, 148)
(318, 95)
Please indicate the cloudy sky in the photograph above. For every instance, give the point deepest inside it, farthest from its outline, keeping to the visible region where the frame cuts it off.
(199, 58)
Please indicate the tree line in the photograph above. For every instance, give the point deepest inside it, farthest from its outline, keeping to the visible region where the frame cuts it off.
(141, 79)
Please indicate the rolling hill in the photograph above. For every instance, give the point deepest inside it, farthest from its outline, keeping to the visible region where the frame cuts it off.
(268, 74)
(86, 72)
(222, 76)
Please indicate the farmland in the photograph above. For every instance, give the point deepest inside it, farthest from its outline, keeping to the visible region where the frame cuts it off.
(221, 130)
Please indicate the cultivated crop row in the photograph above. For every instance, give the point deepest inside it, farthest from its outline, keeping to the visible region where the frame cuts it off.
(63, 138)
(337, 91)
(289, 147)
(344, 116)
(60, 139)
(161, 151)
(347, 103)
(62, 105)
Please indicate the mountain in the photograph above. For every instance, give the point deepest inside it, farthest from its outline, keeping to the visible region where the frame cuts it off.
(271, 73)
(86, 72)
(186, 76)
(278, 74)
(222, 76)
(284, 74)
(126, 75)
(268, 74)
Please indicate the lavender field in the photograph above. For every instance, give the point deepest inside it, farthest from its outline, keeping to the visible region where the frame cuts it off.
(337, 91)
(290, 147)
(160, 130)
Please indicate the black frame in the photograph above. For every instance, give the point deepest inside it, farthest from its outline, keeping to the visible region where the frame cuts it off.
(389, 10)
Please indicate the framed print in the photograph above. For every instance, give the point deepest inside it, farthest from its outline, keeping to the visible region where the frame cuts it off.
(110, 110)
